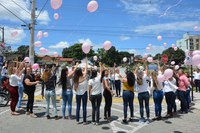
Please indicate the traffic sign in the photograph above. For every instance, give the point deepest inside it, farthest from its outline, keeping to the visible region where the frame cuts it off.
(164, 58)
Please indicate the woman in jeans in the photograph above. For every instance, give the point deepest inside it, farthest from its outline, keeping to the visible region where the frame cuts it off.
(128, 94)
(81, 86)
(95, 96)
(30, 83)
(143, 93)
(50, 92)
(157, 88)
(67, 92)
(108, 93)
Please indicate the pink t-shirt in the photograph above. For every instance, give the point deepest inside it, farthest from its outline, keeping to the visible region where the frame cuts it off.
(183, 83)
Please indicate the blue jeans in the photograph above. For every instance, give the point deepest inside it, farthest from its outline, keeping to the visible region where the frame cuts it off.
(128, 97)
(158, 97)
(84, 98)
(51, 94)
(143, 97)
(20, 92)
(188, 98)
(170, 100)
(67, 96)
(182, 97)
(96, 103)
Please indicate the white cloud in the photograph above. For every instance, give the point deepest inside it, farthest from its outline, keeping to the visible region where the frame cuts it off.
(124, 38)
(85, 41)
(141, 6)
(132, 51)
(183, 26)
(60, 45)
(13, 39)
(156, 49)
(22, 12)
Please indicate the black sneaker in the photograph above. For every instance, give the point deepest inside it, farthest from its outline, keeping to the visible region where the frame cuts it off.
(48, 117)
(125, 121)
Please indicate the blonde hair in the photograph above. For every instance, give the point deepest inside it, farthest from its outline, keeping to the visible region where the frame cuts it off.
(140, 77)
(154, 75)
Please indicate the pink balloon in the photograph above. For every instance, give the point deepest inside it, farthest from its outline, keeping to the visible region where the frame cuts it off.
(26, 59)
(42, 50)
(198, 66)
(165, 44)
(39, 34)
(2, 45)
(173, 45)
(107, 45)
(45, 34)
(124, 59)
(173, 63)
(196, 28)
(148, 49)
(86, 48)
(56, 16)
(168, 73)
(55, 4)
(196, 52)
(38, 44)
(150, 59)
(92, 6)
(159, 38)
(35, 66)
(176, 67)
(196, 59)
(55, 54)
(161, 78)
(14, 33)
(175, 48)
(95, 58)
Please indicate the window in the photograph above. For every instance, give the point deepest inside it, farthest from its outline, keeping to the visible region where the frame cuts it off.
(191, 46)
(197, 40)
(197, 46)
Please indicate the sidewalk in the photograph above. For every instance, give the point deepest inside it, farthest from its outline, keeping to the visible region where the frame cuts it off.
(181, 123)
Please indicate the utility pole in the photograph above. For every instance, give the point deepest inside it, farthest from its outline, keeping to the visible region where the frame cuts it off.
(32, 31)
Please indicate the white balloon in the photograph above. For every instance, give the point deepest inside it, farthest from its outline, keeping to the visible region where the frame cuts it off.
(124, 59)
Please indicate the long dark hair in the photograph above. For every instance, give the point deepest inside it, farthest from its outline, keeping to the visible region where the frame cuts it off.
(93, 74)
(103, 75)
(63, 77)
(78, 73)
(130, 78)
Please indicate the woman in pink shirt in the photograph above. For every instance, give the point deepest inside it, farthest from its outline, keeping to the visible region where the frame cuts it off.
(182, 88)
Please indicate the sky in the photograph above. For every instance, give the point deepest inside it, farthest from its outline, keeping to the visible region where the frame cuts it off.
(131, 25)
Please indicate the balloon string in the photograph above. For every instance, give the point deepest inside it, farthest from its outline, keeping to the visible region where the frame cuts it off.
(175, 5)
(76, 26)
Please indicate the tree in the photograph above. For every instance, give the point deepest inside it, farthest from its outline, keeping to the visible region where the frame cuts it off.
(109, 57)
(75, 51)
(157, 56)
(22, 52)
(177, 56)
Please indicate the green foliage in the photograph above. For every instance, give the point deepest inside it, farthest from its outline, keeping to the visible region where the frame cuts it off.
(177, 56)
(157, 56)
(75, 51)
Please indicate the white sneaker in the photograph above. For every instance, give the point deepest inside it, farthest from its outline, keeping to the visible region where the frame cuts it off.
(33, 115)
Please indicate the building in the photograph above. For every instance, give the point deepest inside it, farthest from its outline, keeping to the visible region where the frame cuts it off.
(189, 42)
(47, 59)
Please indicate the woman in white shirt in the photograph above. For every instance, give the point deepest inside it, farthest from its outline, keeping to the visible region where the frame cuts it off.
(95, 96)
(143, 93)
(81, 86)
(117, 83)
(13, 89)
(170, 96)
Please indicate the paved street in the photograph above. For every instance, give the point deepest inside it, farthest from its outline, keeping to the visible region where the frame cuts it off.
(24, 123)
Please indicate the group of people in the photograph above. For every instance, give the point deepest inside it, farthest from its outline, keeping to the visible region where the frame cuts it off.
(93, 84)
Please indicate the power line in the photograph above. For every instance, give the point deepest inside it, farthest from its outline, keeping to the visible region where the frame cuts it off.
(41, 9)
(13, 13)
(21, 7)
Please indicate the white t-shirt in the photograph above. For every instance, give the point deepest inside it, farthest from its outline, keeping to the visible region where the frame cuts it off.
(4, 71)
(197, 75)
(145, 86)
(82, 87)
(14, 79)
(117, 76)
(167, 87)
(96, 85)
